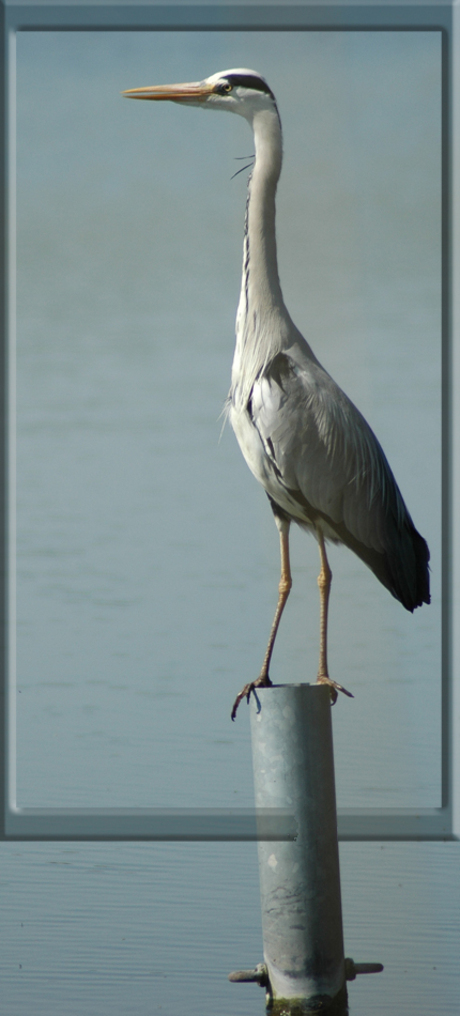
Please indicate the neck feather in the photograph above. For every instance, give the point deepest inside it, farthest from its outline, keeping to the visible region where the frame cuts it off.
(261, 310)
(260, 267)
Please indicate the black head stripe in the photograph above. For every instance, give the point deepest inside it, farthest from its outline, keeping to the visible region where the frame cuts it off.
(249, 81)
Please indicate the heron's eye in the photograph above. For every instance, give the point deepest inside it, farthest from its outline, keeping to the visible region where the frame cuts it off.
(225, 88)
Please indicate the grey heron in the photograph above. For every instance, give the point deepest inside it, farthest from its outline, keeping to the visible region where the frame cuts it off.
(304, 440)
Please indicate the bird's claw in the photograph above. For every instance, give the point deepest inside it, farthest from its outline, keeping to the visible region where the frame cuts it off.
(334, 688)
(262, 682)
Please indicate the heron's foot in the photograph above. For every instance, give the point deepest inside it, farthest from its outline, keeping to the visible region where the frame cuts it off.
(333, 686)
(262, 682)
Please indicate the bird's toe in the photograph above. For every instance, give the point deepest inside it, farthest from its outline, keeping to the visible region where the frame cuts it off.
(262, 682)
(334, 687)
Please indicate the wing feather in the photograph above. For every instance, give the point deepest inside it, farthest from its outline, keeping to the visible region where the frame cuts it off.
(318, 459)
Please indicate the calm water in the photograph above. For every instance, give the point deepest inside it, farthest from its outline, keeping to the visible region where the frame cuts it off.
(147, 556)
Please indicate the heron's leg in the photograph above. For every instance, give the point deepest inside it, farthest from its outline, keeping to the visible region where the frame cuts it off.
(324, 583)
(284, 588)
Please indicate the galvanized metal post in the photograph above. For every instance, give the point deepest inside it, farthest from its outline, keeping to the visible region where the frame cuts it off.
(299, 880)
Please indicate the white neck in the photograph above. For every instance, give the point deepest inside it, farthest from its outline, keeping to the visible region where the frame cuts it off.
(260, 267)
(261, 311)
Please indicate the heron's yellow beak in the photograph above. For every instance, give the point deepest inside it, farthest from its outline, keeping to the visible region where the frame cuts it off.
(188, 90)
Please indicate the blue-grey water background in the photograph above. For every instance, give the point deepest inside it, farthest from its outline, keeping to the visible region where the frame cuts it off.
(147, 556)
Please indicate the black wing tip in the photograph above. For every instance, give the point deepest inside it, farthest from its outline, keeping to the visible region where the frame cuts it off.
(413, 596)
(411, 607)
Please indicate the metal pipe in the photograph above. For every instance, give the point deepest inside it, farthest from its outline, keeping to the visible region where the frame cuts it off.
(299, 880)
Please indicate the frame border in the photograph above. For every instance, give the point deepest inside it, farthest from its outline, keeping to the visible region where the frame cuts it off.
(227, 824)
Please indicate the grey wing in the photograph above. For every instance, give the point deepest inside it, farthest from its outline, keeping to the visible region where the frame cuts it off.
(323, 458)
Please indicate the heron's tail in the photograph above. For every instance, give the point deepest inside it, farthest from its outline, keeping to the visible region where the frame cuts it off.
(403, 568)
(408, 568)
